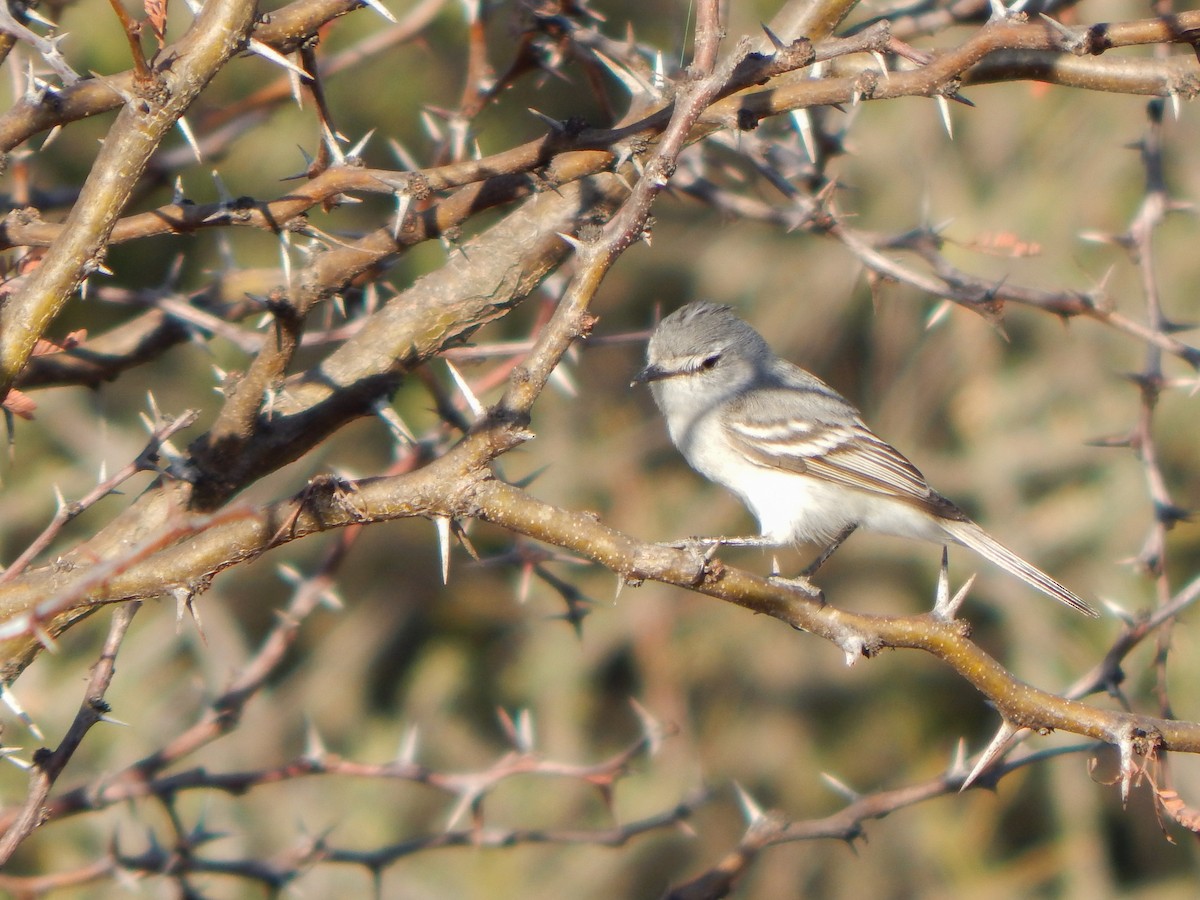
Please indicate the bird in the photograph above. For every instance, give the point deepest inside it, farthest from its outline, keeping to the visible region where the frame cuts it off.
(794, 450)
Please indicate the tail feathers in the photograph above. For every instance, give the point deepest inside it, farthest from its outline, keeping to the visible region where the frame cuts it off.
(971, 535)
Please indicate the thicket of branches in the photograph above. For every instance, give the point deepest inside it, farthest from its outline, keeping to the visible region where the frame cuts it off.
(272, 497)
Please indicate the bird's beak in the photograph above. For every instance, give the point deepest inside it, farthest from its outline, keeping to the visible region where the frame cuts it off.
(650, 373)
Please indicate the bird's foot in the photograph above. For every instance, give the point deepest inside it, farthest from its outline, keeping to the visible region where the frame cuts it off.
(799, 583)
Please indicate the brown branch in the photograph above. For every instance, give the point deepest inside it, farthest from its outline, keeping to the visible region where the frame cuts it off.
(770, 829)
(856, 634)
(48, 765)
(218, 30)
(946, 69)
(69, 511)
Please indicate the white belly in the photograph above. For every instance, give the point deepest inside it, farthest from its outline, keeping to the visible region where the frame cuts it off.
(794, 508)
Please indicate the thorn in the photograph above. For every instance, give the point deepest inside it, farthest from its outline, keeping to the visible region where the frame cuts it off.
(685, 828)
(289, 574)
(993, 752)
(330, 599)
(285, 244)
(1128, 768)
(314, 747)
(308, 158)
(42, 20)
(944, 110)
(6, 753)
(560, 376)
(524, 731)
(883, 66)
(177, 195)
(652, 730)
(957, 600)
(186, 130)
(44, 638)
(51, 135)
(403, 202)
(181, 595)
(572, 240)
(779, 45)
(467, 798)
(355, 152)
(941, 601)
(443, 529)
(270, 54)
(406, 159)
(840, 787)
(429, 123)
(10, 700)
(751, 811)
(1119, 611)
(185, 602)
(526, 580)
(332, 143)
(940, 312)
(379, 8)
(531, 477)
(629, 79)
(465, 389)
(946, 607)
(394, 423)
(1176, 108)
(464, 540)
(223, 194)
(554, 124)
(1070, 38)
(958, 765)
(407, 754)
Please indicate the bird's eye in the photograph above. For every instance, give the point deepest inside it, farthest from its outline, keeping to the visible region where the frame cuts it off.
(709, 362)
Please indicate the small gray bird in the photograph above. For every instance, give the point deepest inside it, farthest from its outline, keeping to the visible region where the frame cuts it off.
(794, 450)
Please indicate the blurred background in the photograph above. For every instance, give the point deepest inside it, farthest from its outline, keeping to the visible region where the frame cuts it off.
(1004, 420)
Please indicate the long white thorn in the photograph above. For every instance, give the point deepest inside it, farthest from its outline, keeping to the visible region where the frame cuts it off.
(270, 54)
(409, 744)
(465, 389)
(750, 809)
(998, 745)
(443, 529)
(186, 130)
(944, 109)
(802, 119)
(10, 700)
(379, 8)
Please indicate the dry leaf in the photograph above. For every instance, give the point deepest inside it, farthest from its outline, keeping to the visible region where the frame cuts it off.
(156, 15)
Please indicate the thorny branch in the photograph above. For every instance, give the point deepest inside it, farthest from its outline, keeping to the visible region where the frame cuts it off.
(590, 188)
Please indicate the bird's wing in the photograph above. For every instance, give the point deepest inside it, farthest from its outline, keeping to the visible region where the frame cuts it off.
(776, 428)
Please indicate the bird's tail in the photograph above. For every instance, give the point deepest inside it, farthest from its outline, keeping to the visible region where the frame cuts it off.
(971, 535)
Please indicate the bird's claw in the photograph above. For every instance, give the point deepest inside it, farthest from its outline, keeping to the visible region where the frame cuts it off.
(705, 548)
(800, 583)
(702, 551)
